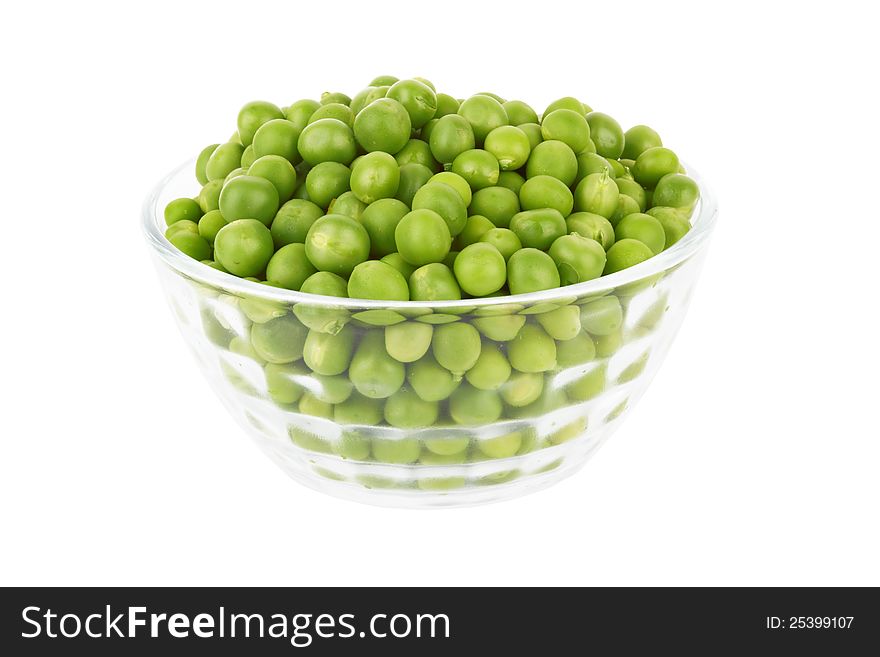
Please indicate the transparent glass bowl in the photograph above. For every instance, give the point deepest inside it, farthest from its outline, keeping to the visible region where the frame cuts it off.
(328, 436)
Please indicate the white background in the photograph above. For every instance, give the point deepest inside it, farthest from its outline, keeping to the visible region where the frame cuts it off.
(753, 458)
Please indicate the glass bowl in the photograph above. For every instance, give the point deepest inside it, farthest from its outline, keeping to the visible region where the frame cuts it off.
(471, 446)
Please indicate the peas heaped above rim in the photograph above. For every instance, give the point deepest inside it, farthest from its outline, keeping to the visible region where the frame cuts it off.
(704, 218)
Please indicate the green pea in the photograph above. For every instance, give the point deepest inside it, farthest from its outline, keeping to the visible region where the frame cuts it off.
(311, 405)
(277, 137)
(380, 219)
(209, 196)
(553, 158)
(444, 201)
(575, 351)
(451, 136)
(406, 410)
(597, 193)
(588, 385)
(358, 409)
(484, 114)
(512, 180)
(278, 171)
(319, 317)
(478, 167)
(457, 183)
(538, 228)
(301, 111)
(567, 126)
(531, 270)
(202, 161)
(602, 316)
(347, 204)
(475, 227)
(430, 380)
(252, 116)
(352, 445)
(192, 244)
(532, 350)
(329, 354)
(607, 345)
(182, 208)
(638, 139)
(373, 372)
(326, 181)
(621, 168)
(240, 171)
(244, 247)
(606, 134)
(632, 189)
(417, 98)
(446, 104)
(397, 451)
(456, 346)
(447, 446)
(279, 340)
(644, 228)
(366, 96)
(225, 158)
(533, 132)
(412, 177)
(578, 258)
(327, 140)
(653, 164)
(383, 125)
(422, 236)
(501, 328)
(675, 190)
(416, 151)
(281, 382)
(331, 389)
(566, 102)
(289, 267)
(293, 220)
(491, 369)
(591, 163)
(335, 97)
(503, 239)
(519, 112)
(337, 243)
(375, 279)
(375, 176)
(561, 324)
(249, 197)
(396, 260)
(409, 341)
(210, 224)
(472, 406)
(509, 145)
(333, 111)
(625, 205)
(480, 269)
(433, 282)
(383, 80)
(592, 226)
(522, 388)
(546, 192)
(675, 225)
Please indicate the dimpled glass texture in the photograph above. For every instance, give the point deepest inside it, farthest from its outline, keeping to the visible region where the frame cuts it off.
(446, 463)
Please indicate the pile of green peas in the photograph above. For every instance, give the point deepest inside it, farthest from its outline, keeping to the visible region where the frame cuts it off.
(402, 193)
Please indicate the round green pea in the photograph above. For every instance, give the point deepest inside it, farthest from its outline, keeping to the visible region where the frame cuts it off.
(503, 239)
(348, 204)
(366, 96)
(293, 220)
(244, 247)
(326, 181)
(327, 140)
(484, 114)
(422, 236)
(531, 270)
(209, 196)
(501, 328)
(597, 193)
(412, 177)
(591, 163)
(417, 98)
(491, 370)
(192, 244)
(567, 126)
(280, 340)
(433, 282)
(277, 137)
(644, 228)
(337, 243)
(478, 167)
(512, 180)
(224, 159)
(396, 260)
(578, 258)
(606, 134)
(451, 136)
(625, 205)
(252, 116)
(408, 341)
(301, 111)
(210, 224)
(522, 388)
(634, 190)
(373, 372)
(476, 226)
(519, 112)
(553, 158)
(480, 269)
(375, 176)
(406, 410)
(471, 406)
(289, 267)
(676, 190)
(538, 228)
(383, 80)
(592, 226)
(383, 125)
(358, 409)
(509, 145)
(182, 208)
(444, 201)
(457, 183)
(575, 352)
(446, 104)
(498, 204)
(418, 152)
(652, 164)
(335, 97)
(532, 350)
(675, 224)
(329, 354)
(396, 451)
(333, 111)
(637, 140)
(626, 253)
(380, 219)
(602, 316)
(546, 192)
(456, 346)
(281, 382)
(430, 380)
(278, 171)
(249, 197)
(533, 132)
(567, 102)
(375, 279)
(202, 161)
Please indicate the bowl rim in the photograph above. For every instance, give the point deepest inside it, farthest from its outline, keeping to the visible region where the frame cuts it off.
(703, 222)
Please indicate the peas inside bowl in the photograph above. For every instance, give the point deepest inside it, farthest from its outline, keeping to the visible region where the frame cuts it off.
(413, 300)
